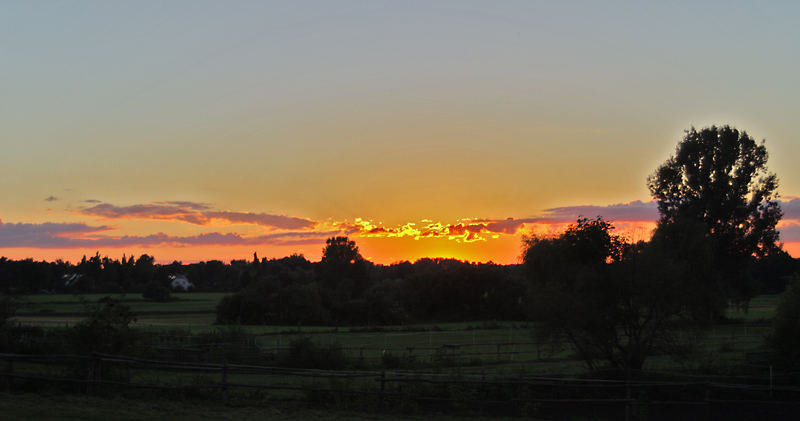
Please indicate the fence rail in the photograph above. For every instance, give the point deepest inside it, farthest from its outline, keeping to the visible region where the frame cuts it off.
(96, 373)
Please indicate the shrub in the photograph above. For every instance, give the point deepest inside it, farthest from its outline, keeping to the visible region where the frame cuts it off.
(106, 329)
(785, 338)
(393, 361)
(304, 353)
(7, 309)
(156, 291)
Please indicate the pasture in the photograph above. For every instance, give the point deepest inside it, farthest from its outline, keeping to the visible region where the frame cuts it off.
(464, 366)
(192, 310)
(472, 347)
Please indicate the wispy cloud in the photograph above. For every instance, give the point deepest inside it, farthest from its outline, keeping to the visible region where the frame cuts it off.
(789, 230)
(263, 219)
(631, 211)
(49, 234)
(791, 208)
(67, 235)
(195, 213)
(50, 199)
(186, 204)
(148, 211)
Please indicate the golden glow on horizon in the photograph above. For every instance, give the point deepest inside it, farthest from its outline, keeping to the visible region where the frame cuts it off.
(504, 250)
(379, 244)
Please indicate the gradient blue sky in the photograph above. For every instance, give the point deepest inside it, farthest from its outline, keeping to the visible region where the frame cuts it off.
(392, 112)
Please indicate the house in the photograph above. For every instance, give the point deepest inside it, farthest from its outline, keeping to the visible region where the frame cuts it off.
(180, 283)
(70, 279)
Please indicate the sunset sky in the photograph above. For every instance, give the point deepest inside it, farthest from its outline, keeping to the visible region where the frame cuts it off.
(193, 130)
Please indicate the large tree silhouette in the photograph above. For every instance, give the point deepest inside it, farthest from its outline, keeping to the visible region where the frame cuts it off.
(718, 177)
(614, 302)
(342, 262)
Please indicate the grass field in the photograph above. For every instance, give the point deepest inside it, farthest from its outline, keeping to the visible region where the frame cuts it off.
(505, 349)
(472, 346)
(194, 310)
(69, 303)
(762, 308)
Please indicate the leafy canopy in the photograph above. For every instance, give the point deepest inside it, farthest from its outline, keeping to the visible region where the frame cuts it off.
(719, 176)
(718, 183)
(614, 302)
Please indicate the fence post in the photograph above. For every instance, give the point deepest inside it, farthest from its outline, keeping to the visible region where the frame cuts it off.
(9, 371)
(770, 380)
(708, 402)
(628, 393)
(90, 374)
(98, 371)
(225, 381)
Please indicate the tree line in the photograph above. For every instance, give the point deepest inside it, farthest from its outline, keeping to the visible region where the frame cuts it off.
(342, 288)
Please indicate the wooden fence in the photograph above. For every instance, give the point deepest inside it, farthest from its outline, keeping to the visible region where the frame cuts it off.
(708, 398)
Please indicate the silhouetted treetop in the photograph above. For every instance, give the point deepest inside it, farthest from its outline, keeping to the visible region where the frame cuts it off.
(719, 176)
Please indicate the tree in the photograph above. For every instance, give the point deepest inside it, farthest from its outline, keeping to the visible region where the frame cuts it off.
(613, 301)
(341, 260)
(156, 291)
(106, 328)
(718, 176)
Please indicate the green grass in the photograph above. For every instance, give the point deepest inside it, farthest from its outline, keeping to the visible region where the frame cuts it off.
(193, 310)
(65, 303)
(762, 308)
(477, 342)
(68, 303)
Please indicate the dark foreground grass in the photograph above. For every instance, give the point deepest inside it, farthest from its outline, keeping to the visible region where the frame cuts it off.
(88, 408)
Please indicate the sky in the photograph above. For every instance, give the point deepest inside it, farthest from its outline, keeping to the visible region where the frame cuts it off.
(198, 130)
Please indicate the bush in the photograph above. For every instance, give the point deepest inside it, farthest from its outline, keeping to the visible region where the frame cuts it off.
(106, 329)
(304, 353)
(7, 309)
(785, 338)
(27, 340)
(393, 361)
(156, 291)
(242, 308)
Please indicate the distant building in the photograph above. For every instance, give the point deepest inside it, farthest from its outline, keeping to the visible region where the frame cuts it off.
(70, 279)
(180, 283)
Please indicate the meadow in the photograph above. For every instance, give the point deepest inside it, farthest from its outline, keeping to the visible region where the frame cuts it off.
(477, 346)
(466, 366)
(193, 310)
